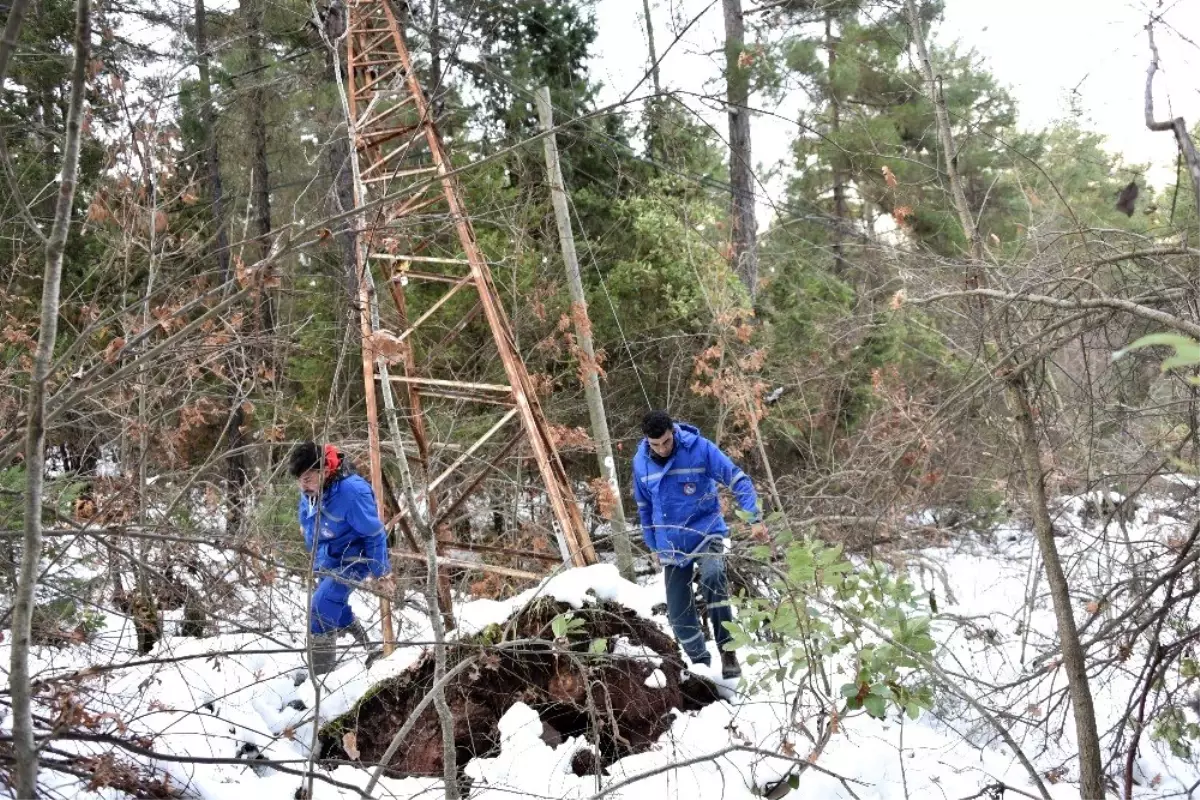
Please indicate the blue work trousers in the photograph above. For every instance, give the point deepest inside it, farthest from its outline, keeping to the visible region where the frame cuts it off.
(681, 600)
(330, 610)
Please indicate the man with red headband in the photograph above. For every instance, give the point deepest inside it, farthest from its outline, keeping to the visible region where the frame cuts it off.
(349, 544)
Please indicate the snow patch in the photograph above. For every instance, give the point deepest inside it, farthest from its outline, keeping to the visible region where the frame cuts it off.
(657, 680)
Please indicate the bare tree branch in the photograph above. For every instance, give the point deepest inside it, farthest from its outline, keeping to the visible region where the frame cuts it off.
(1114, 303)
(1187, 147)
(24, 745)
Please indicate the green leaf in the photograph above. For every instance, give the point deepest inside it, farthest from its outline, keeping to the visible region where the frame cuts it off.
(598, 646)
(922, 644)
(560, 625)
(850, 690)
(1187, 349)
(876, 706)
(794, 781)
(913, 710)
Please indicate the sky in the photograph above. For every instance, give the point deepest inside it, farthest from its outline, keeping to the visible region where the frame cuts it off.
(1049, 53)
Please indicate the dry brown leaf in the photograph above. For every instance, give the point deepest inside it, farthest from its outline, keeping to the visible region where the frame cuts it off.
(606, 498)
(889, 177)
(97, 211)
(111, 353)
(241, 272)
(350, 744)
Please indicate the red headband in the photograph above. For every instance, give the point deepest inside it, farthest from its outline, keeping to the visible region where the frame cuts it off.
(332, 460)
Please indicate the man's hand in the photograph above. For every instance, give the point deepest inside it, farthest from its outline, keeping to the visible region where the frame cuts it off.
(385, 586)
(758, 532)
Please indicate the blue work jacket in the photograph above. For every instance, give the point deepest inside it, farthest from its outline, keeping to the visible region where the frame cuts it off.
(352, 542)
(677, 500)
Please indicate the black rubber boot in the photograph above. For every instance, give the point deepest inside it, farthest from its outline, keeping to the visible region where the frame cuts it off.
(324, 654)
(730, 668)
(359, 633)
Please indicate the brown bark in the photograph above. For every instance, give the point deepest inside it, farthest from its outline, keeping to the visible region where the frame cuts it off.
(1091, 766)
(260, 196)
(211, 157)
(741, 167)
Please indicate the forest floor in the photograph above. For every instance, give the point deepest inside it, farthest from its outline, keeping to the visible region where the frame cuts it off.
(238, 698)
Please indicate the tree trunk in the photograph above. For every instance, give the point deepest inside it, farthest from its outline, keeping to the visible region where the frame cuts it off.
(211, 159)
(946, 136)
(35, 433)
(839, 175)
(744, 257)
(583, 331)
(653, 131)
(235, 458)
(655, 78)
(1091, 767)
(435, 58)
(339, 164)
(260, 196)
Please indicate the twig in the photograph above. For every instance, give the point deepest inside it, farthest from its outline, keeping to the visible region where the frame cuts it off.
(805, 764)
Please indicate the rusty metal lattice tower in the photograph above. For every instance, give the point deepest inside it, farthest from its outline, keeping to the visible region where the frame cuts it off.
(416, 239)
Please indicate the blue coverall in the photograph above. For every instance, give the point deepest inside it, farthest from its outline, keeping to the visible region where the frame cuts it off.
(682, 523)
(350, 546)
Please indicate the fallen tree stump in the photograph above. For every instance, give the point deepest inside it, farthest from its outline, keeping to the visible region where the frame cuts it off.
(614, 678)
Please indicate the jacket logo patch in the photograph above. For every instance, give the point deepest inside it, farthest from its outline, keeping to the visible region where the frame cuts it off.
(326, 533)
(689, 488)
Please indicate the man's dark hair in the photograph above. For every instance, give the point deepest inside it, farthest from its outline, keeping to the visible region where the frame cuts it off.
(305, 456)
(656, 423)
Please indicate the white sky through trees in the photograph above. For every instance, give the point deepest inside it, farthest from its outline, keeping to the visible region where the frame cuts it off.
(1057, 57)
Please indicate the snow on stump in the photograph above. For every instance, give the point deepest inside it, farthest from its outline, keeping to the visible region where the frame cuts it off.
(614, 678)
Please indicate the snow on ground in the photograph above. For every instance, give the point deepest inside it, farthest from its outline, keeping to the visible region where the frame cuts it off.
(234, 696)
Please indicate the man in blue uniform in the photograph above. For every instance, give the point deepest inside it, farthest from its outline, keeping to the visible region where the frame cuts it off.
(349, 544)
(675, 477)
